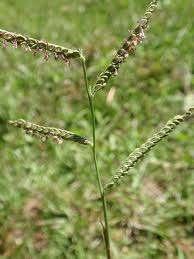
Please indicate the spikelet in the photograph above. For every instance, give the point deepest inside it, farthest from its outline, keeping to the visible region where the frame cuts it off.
(136, 36)
(44, 133)
(139, 153)
(38, 46)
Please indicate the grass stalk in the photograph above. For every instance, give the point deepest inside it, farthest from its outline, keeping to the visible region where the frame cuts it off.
(100, 186)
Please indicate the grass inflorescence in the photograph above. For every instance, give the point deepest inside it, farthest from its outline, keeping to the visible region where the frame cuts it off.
(44, 133)
(135, 37)
(140, 152)
(38, 46)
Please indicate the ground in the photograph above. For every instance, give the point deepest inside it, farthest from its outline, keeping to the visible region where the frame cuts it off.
(49, 206)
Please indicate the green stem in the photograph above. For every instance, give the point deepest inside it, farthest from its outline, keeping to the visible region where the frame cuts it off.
(100, 186)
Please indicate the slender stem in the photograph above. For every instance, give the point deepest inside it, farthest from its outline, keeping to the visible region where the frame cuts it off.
(100, 186)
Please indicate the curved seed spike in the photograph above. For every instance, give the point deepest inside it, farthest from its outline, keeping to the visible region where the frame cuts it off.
(45, 48)
(58, 135)
(139, 153)
(135, 37)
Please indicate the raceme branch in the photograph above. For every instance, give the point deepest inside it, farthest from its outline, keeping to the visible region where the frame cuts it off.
(140, 152)
(135, 37)
(44, 133)
(38, 46)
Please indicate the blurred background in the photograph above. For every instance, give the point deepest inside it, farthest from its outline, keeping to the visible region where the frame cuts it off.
(49, 205)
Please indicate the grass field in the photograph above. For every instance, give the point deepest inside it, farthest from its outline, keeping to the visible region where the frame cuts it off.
(49, 206)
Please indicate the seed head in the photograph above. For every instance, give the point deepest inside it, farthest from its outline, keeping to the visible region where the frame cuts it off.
(135, 37)
(140, 152)
(38, 46)
(44, 133)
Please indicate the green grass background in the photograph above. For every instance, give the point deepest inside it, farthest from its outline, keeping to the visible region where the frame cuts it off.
(49, 205)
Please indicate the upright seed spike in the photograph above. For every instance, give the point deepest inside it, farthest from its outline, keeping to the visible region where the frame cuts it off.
(136, 37)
